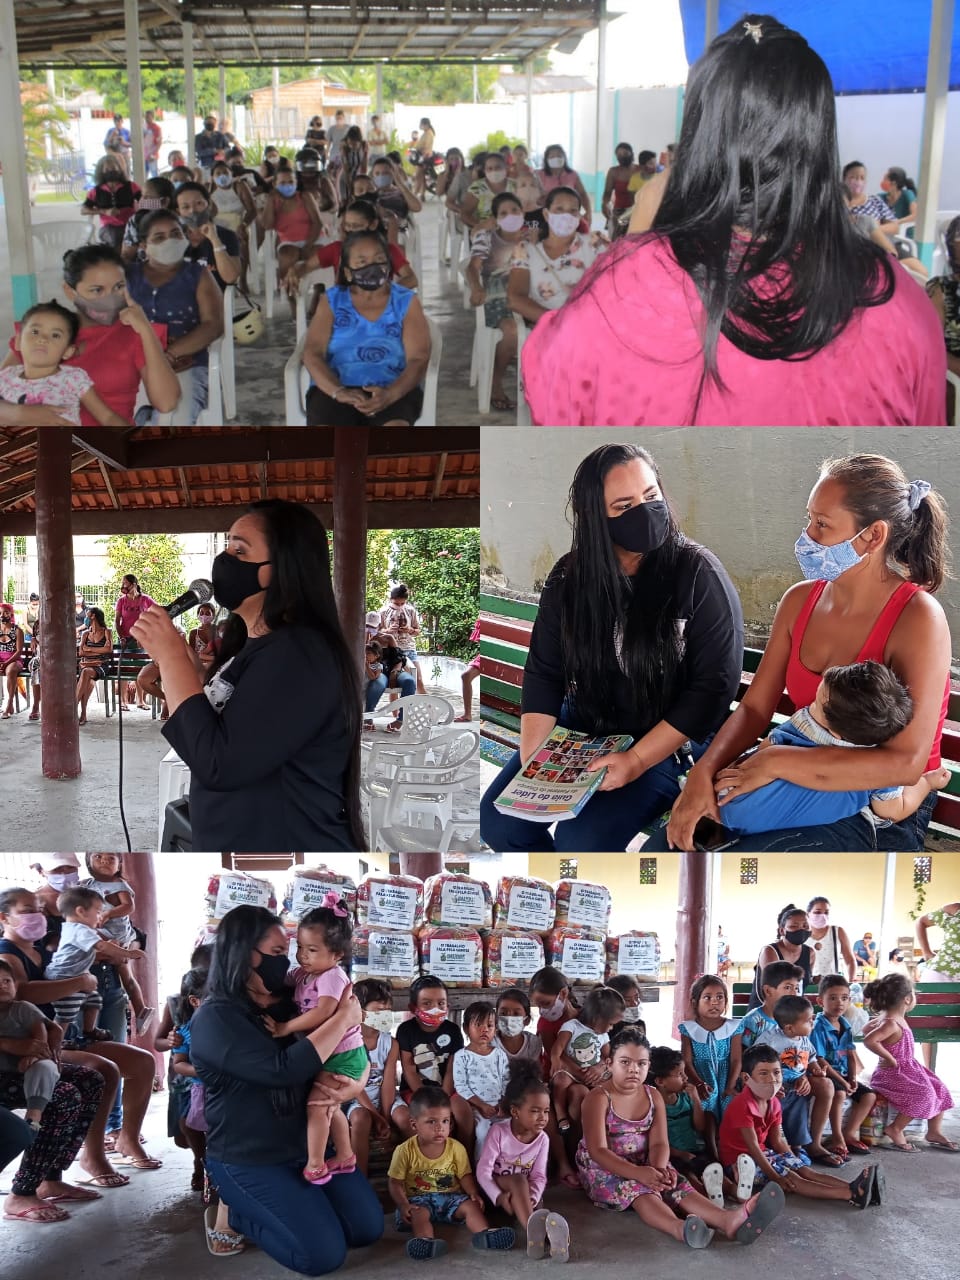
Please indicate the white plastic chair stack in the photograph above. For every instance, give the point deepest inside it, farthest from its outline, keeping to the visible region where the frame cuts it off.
(427, 787)
(485, 342)
(523, 409)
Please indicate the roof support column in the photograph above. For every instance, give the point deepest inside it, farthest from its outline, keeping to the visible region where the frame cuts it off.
(223, 96)
(528, 68)
(693, 924)
(601, 149)
(189, 93)
(59, 732)
(138, 871)
(934, 127)
(380, 92)
(131, 40)
(16, 193)
(275, 102)
(350, 448)
(712, 22)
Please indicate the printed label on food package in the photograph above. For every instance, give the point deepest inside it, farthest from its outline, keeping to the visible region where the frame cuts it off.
(589, 905)
(393, 905)
(308, 894)
(520, 957)
(462, 903)
(638, 955)
(582, 959)
(238, 891)
(530, 907)
(454, 959)
(391, 955)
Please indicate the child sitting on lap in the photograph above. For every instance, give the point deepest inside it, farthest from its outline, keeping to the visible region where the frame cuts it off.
(106, 877)
(28, 1050)
(430, 1181)
(861, 705)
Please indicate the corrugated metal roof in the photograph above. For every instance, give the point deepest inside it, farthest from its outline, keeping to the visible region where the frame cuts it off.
(64, 33)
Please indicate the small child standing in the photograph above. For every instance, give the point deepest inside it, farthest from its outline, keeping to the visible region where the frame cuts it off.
(581, 1053)
(832, 1038)
(804, 1080)
(512, 1167)
(192, 988)
(80, 945)
(480, 1068)
(909, 1086)
(319, 981)
(106, 877)
(711, 1055)
(25, 1025)
(378, 1106)
(430, 1181)
(513, 1017)
(47, 336)
(751, 1126)
(686, 1124)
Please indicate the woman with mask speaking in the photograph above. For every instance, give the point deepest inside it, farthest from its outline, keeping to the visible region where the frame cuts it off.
(268, 770)
(873, 553)
(640, 632)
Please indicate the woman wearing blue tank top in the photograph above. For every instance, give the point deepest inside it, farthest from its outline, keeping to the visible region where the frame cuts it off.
(368, 345)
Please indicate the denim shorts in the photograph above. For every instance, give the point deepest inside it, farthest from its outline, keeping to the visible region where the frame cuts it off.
(442, 1205)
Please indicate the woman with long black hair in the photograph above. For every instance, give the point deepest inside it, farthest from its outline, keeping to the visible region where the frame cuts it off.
(639, 631)
(268, 771)
(752, 300)
(256, 1106)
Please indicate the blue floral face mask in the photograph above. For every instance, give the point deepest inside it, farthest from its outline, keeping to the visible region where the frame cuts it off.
(818, 562)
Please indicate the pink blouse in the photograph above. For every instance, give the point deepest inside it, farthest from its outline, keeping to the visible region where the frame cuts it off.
(625, 350)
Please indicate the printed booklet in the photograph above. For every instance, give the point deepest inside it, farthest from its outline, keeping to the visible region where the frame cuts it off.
(555, 785)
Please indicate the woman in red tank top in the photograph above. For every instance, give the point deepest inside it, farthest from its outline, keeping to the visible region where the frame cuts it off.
(875, 547)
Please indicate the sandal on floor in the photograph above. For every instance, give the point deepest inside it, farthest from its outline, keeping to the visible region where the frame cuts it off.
(769, 1204)
(712, 1179)
(857, 1148)
(495, 1238)
(944, 1145)
(38, 1213)
(696, 1233)
(828, 1158)
(462, 719)
(879, 1189)
(746, 1171)
(237, 1243)
(558, 1233)
(104, 1180)
(502, 405)
(139, 1162)
(76, 1195)
(423, 1247)
(861, 1188)
(537, 1234)
(396, 727)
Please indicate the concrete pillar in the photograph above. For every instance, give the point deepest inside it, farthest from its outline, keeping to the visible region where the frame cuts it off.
(138, 871)
(600, 141)
(223, 94)
(59, 732)
(934, 126)
(275, 102)
(16, 191)
(350, 530)
(712, 26)
(528, 67)
(131, 23)
(189, 93)
(476, 86)
(693, 940)
(421, 865)
(886, 935)
(52, 91)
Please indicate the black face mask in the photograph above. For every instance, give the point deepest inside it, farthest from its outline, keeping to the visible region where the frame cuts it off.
(273, 971)
(371, 277)
(797, 937)
(641, 528)
(234, 580)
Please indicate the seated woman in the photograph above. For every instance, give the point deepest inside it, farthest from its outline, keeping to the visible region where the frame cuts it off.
(359, 215)
(33, 666)
(368, 345)
(394, 194)
(747, 302)
(874, 555)
(11, 655)
(453, 182)
(863, 205)
(556, 173)
(900, 193)
(113, 197)
(183, 296)
(94, 648)
(211, 244)
(491, 255)
(116, 345)
(543, 275)
(256, 1102)
(295, 216)
(944, 293)
(158, 193)
(476, 207)
(606, 655)
(394, 673)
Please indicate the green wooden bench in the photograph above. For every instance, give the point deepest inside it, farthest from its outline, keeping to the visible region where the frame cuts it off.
(935, 1019)
(505, 628)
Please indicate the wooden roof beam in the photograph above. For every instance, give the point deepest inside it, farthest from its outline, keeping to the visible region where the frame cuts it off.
(106, 481)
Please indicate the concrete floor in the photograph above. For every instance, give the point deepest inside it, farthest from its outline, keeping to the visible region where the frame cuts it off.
(152, 1230)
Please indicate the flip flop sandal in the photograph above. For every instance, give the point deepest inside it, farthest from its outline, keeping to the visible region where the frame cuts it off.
(696, 1233)
(104, 1180)
(861, 1188)
(857, 1148)
(769, 1204)
(879, 1189)
(827, 1158)
(422, 1248)
(558, 1233)
(349, 1165)
(906, 1147)
(318, 1176)
(74, 1196)
(712, 1179)
(746, 1170)
(38, 1213)
(139, 1162)
(237, 1243)
(495, 1238)
(537, 1234)
(946, 1145)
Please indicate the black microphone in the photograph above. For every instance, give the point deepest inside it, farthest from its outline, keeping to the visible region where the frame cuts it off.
(198, 592)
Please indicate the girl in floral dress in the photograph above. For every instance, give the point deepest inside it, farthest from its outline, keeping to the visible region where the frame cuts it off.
(907, 1084)
(624, 1159)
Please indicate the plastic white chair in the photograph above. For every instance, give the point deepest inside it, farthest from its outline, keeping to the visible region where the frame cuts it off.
(296, 382)
(212, 415)
(323, 275)
(271, 274)
(410, 243)
(427, 783)
(443, 239)
(485, 342)
(228, 368)
(523, 409)
(51, 240)
(456, 237)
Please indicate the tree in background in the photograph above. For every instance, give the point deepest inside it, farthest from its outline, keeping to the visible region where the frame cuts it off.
(43, 121)
(155, 559)
(379, 542)
(442, 569)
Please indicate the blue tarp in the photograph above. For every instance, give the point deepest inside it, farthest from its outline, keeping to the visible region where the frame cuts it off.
(870, 46)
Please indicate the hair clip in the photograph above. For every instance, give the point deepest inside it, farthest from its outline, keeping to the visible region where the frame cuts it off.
(332, 902)
(754, 30)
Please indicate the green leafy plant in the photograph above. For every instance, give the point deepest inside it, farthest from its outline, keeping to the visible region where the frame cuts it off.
(43, 121)
(156, 559)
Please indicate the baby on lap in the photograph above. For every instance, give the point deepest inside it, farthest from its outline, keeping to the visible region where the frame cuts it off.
(861, 705)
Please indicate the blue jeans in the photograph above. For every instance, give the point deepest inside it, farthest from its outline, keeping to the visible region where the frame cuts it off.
(194, 389)
(374, 692)
(303, 1227)
(849, 835)
(15, 1136)
(606, 824)
(113, 1018)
